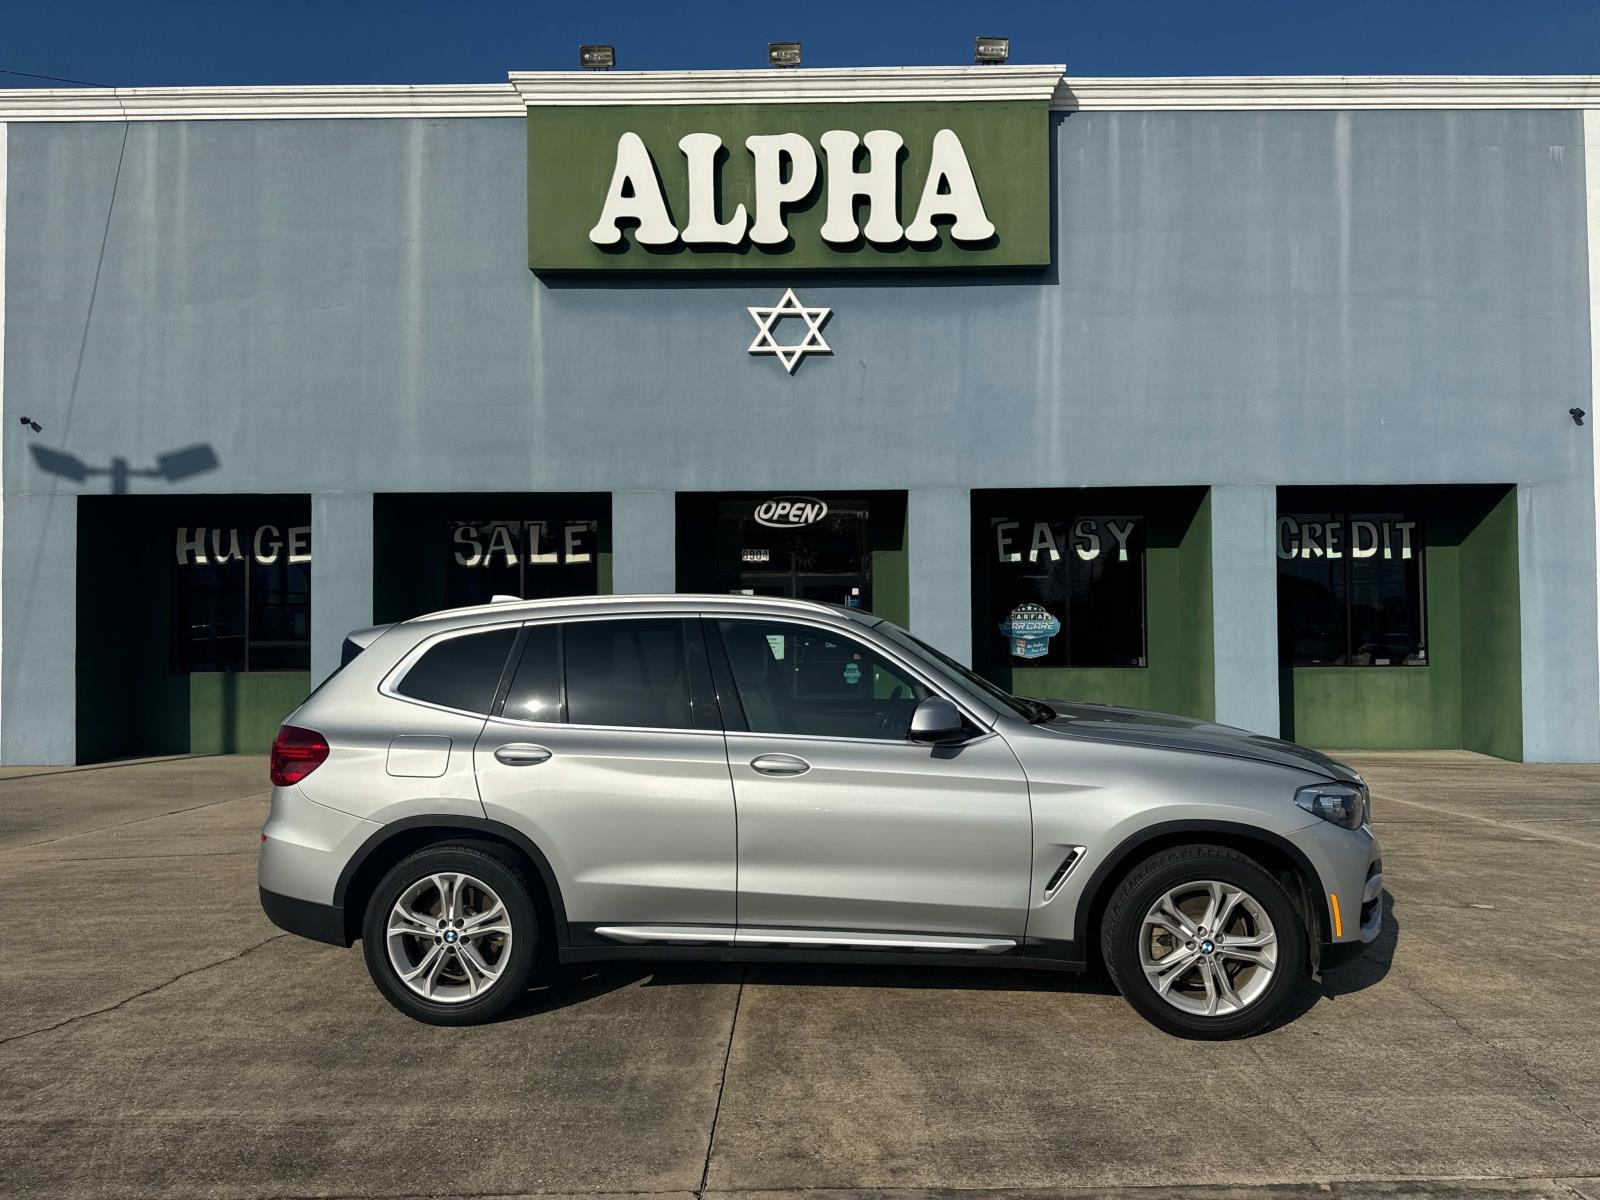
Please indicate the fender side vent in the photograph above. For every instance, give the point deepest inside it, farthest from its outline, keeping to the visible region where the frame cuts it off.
(1074, 853)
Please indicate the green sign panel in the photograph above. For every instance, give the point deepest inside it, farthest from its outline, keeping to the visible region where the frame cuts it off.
(792, 186)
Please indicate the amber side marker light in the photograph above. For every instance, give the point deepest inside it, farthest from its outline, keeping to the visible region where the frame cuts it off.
(1338, 923)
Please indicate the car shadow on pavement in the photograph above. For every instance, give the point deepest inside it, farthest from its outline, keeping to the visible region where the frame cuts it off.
(1350, 977)
(563, 986)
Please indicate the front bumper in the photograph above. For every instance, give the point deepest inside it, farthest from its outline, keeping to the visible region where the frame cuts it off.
(1348, 864)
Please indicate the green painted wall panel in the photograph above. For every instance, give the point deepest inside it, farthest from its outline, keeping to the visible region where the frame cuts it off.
(239, 712)
(891, 561)
(1491, 629)
(572, 152)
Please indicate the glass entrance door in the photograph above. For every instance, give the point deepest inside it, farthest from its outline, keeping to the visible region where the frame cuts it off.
(805, 547)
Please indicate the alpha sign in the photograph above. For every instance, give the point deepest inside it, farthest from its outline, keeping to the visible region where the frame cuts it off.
(824, 185)
(786, 172)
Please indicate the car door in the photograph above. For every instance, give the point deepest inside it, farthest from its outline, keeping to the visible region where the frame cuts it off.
(607, 751)
(846, 830)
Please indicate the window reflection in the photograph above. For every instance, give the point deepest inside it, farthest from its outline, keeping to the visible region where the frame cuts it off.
(1351, 589)
(1064, 591)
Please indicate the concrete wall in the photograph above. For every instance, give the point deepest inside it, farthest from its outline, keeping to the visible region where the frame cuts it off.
(1239, 298)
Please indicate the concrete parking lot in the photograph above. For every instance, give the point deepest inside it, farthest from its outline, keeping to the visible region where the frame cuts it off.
(159, 1037)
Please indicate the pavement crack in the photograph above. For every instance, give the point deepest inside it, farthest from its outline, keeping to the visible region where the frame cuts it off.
(151, 990)
(87, 858)
(722, 1086)
(1305, 1129)
(67, 837)
(1507, 1055)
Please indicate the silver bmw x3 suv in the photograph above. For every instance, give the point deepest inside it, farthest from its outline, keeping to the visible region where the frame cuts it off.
(479, 793)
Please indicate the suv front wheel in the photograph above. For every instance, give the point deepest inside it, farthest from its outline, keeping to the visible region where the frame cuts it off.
(451, 935)
(1205, 943)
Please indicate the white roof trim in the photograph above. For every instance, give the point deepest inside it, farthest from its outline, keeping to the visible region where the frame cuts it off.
(831, 85)
(1328, 91)
(261, 103)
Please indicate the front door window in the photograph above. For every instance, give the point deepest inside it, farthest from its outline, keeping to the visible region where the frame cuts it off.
(810, 682)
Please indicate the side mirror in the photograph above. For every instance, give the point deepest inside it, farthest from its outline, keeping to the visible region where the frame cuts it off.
(936, 720)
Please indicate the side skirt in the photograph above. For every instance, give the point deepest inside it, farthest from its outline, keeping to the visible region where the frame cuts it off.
(1057, 956)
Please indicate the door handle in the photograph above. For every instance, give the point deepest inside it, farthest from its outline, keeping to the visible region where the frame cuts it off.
(779, 764)
(522, 754)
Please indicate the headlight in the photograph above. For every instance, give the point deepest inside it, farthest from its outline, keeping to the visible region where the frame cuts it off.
(1342, 803)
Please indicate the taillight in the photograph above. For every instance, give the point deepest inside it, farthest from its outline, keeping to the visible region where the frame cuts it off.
(296, 753)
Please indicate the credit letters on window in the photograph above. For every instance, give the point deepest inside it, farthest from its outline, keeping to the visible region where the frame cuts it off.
(1351, 590)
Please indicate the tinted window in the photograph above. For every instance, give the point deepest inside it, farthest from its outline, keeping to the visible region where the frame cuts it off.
(1062, 591)
(535, 693)
(802, 680)
(627, 672)
(460, 672)
(1350, 590)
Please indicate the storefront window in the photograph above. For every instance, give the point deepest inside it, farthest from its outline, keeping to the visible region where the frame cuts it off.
(1351, 589)
(433, 551)
(831, 547)
(534, 559)
(1063, 591)
(241, 597)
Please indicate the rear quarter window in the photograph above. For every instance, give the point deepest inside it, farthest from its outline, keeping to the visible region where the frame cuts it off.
(460, 672)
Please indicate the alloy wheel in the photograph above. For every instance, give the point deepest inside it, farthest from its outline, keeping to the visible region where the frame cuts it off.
(449, 937)
(1208, 948)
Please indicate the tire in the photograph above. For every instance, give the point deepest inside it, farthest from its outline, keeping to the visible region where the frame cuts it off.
(1171, 979)
(467, 978)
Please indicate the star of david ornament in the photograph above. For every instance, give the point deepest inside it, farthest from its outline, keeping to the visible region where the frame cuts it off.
(766, 320)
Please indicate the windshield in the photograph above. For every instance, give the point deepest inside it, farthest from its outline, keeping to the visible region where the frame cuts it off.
(1028, 710)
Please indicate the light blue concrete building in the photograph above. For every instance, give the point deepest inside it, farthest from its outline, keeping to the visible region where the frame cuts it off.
(1276, 401)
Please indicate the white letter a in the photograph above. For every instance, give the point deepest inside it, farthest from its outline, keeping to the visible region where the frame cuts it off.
(635, 172)
(950, 170)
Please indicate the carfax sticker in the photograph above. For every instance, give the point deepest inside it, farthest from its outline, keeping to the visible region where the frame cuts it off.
(1030, 628)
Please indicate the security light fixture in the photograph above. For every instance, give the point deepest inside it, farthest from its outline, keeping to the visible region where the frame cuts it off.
(1577, 415)
(597, 57)
(991, 51)
(783, 54)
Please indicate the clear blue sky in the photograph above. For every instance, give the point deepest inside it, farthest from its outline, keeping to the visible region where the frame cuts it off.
(450, 41)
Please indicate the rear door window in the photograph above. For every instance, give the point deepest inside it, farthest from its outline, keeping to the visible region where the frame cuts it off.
(460, 672)
(535, 691)
(631, 672)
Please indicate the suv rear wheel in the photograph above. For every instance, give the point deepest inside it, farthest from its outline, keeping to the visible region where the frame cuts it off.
(1205, 943)
(451, 934)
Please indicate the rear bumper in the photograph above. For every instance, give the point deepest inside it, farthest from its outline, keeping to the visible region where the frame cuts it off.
(307, 918)
(304, 847)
